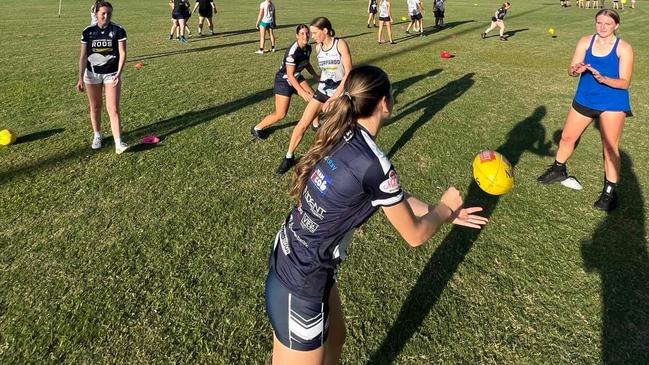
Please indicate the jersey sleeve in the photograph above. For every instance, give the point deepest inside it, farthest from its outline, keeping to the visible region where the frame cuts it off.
(85, 36)
(383, 187)
(290, 55)
(120, 34)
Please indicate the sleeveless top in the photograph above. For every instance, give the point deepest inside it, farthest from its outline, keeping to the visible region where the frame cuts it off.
(383, 10)
(594, 95)
(331, 67)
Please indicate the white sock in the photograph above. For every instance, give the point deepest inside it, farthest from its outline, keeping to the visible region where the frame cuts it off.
(118, 141)
(289, 155)
(97, 134)
(257, 129)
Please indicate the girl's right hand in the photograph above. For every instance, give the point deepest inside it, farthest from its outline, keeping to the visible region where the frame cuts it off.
(80, 86)
(578, 68)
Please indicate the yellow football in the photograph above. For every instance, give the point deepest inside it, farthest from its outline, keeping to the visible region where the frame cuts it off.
(7, 137)
(493, 173)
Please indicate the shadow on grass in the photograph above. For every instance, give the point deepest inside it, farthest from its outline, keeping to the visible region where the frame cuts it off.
(401, 85)
(527, 136)
(511, 33)
(430, 104)
(38, 135)
(618, 252)
(427, 30)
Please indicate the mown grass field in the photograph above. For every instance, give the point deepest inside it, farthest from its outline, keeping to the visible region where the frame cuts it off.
(159, 255)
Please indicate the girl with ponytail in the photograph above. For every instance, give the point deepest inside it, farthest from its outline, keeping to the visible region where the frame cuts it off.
(339, 184)
(335, 62)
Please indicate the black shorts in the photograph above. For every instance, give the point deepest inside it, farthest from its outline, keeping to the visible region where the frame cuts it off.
(298, 324)
(206, 14)
(180, 15)
(385, 19)
(372, 10)
(282, 87)
(416, 17)
(592, 113)
(439, 13)
(319, 96)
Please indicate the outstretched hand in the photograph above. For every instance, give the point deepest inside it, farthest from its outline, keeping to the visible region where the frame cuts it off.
(465, 217)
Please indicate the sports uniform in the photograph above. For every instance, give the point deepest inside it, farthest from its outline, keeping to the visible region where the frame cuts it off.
(103, 52)
(439, 8)
(413, 9)
(205, 8)
(268, 20)
(384, 13)
(294, 56)
(332, 71)
(500, 15)
(345, 189)
(180, 10)
(373, 7)
(592, 98)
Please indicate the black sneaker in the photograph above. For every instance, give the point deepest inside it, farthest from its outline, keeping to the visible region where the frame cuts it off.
(503, 38)
(259, 134)
(483, 35)
(553, 174)
(369, 26)
(606, 202)
(286, 165)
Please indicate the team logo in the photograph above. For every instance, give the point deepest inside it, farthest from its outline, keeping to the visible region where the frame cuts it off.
(348, 135)
(321, 181)
(307, 223)
(487, 155)
(283, 241)
(330, 163)
(392, 184)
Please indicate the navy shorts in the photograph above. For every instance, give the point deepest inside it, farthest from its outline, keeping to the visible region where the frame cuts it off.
(439, 13)
(319, 96)
(205, 14)
(180, 15)
(416, 16)
(298, 324)
(384, 18)
(591, 113)
(372, 10)
(282, 87)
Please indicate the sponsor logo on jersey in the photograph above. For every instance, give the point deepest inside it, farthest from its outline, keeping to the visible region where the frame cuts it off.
(313, 205)
(321, 181)
(283, 241)
(111, 34)
(391, 185)
(295, 235)
(307, 223)
(348, 135)
(102, 43)
(330, 163)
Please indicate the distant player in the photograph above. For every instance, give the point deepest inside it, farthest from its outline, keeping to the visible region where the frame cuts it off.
(93, 10)
(179, 15)
(289, 80)
(385, 20)
(101, 62)
(206, 9)
(266, 21)
(416, 19)
(439, 8)
(498, 21)
(335, 62)
(372, 9)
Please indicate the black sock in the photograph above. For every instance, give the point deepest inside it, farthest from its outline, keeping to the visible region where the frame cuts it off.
(559, 165)
(609, 187)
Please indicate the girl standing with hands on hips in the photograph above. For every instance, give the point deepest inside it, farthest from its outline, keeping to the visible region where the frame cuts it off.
(338, 185)
(103, 54)
(604, 64)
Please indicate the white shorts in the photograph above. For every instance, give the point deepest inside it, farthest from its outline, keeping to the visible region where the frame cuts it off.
(95, 79)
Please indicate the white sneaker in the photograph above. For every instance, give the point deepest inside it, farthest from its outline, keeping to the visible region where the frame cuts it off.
(96, 143)
(272, 49)
(259, 51)
(120, 148)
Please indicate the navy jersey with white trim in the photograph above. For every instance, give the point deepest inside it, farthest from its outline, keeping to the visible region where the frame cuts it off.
(344, 190)
(102, 47)
(501, 13)
(295, 56)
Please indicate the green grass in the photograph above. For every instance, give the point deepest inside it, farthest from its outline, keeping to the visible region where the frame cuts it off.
(160, 255)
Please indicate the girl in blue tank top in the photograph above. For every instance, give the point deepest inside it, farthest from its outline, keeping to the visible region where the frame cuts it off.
(604, 63)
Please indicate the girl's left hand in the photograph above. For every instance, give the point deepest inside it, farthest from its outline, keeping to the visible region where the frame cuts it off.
(598, 76)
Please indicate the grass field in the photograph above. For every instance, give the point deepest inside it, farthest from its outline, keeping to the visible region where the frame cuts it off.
(159, 255)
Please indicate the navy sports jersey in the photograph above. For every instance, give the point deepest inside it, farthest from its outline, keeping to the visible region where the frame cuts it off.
(102, 47)
(205, 6)
(181, 6)
(295, 56)
(373, 4)
(501, 13)
(345, 188)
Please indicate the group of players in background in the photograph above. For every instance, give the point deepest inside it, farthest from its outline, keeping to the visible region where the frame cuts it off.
(345, 178)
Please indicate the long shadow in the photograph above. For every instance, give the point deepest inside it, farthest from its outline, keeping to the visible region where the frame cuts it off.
(187, 50)
(430, 104)
(527, 136)
(38, 135)
(511, 33)
(618, 252)
(429, 30)
(400, 86)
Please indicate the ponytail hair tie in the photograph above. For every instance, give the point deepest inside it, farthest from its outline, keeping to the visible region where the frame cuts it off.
(348, 95)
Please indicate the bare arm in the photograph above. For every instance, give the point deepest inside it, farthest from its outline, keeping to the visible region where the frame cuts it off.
(577, 66)
(83, 59)
(417, 221)
(312, 71)
(261, 14)
(347, 64)
(290, 73)
(195, 7)
(122, 61)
